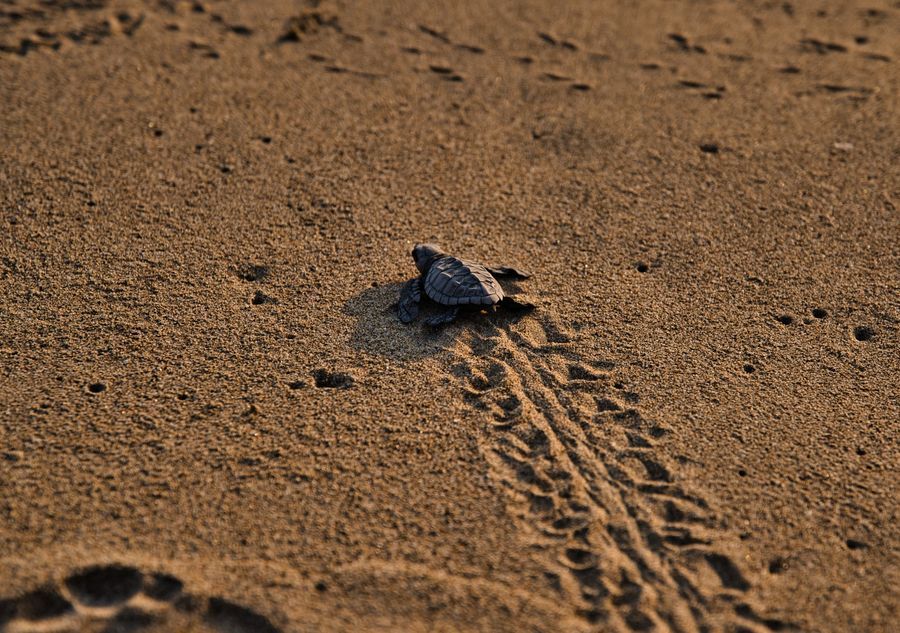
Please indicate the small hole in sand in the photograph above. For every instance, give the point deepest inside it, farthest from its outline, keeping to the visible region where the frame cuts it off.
(749, 368)
(321, 586)
(252, 272)
(863, 333)
(261, 298)
(296, 384)
(265, 139)
(157, 133)
(820, 313)
(785, 319)
(854, 544)
(777, 565)
(860, 451)
(642, 267)
(96, 387)
(742, 472)
(709, 148)
(332, 380)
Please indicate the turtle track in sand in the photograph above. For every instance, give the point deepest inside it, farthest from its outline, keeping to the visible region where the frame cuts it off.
(117, 599)
(618, 537)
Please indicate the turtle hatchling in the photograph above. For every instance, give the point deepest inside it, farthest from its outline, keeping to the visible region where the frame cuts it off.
(452, 283)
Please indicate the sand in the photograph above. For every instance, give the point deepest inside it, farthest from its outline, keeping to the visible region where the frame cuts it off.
(211, 418)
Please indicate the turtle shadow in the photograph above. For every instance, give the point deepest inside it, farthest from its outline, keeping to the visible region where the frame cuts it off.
(378, 329)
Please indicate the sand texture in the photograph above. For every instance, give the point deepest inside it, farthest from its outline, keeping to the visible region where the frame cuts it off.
(211, 418)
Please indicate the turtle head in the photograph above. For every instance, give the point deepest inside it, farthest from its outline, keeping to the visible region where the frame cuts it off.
(423, 255)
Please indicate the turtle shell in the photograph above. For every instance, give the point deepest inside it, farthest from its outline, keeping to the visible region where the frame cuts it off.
(456, 282)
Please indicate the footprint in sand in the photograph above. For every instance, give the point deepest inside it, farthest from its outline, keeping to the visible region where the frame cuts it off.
(120, 599)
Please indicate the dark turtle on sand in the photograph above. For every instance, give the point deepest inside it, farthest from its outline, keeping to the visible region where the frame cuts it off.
(452, 283)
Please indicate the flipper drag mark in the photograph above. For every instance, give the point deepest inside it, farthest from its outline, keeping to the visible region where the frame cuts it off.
(619, 538)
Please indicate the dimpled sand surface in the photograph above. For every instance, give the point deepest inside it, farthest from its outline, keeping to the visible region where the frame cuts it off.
(212, 420)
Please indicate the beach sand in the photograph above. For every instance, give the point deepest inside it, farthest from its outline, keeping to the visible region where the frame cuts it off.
(211, 418)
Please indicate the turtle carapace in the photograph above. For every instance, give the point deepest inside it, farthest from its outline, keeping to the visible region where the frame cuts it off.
(451, 282)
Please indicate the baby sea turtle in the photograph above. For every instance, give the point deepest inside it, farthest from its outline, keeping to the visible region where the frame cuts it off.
(451, 282)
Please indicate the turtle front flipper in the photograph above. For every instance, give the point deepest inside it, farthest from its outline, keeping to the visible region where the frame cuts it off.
(446, 315)
(410, 296)
(506, 271)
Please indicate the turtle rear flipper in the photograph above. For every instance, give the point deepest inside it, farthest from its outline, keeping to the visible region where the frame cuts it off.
(517, 305)
(506, 271)
(446, 315)
(410, 296)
